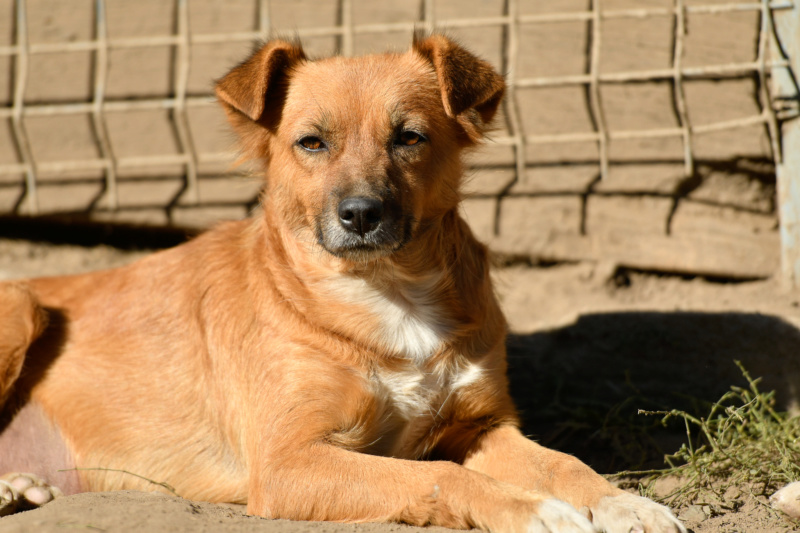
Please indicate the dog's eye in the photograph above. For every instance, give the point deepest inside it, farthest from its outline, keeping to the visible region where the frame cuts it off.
(312, 144)
(409, 138)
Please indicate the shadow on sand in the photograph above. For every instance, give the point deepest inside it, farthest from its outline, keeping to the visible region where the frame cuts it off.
(579, 387)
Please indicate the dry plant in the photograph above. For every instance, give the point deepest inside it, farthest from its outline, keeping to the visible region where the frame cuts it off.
(743, 447)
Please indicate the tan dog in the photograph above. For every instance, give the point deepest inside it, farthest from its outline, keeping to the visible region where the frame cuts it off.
(338, 357)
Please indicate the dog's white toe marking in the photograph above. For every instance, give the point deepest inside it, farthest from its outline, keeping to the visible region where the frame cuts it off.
(787, 499)
(627, 513)
(556, 516)
(20, 492)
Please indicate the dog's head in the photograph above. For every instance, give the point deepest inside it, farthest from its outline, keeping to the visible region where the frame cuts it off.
(361, 152)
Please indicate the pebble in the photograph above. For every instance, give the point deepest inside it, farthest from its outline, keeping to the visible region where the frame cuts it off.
(693, 513)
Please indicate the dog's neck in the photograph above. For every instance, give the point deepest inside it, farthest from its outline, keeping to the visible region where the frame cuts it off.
(422, 300)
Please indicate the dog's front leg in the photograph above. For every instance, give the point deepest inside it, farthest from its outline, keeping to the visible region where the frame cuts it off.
(325, 482)
(507, 455)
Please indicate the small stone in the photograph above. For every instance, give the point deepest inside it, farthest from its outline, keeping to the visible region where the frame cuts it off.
(733, 493)
(693, 513)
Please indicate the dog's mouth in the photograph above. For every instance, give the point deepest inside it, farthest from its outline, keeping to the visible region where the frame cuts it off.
(364, 232)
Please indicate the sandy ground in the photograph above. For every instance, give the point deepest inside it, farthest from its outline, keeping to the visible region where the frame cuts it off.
(585, 337)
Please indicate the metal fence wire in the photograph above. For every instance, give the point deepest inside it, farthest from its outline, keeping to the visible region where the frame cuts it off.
(186, 160)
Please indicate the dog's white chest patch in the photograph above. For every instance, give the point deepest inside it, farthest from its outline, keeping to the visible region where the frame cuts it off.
(412, 392)
(411, 400)
(407, 321)
(410, 323)
(409, 393)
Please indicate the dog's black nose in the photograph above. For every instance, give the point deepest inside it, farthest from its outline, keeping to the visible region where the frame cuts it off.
(360, 215)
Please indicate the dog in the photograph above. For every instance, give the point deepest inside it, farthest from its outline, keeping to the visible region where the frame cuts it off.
(339, 356)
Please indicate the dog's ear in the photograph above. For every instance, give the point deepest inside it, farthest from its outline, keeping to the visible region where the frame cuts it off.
(466, 81)
(248, 86)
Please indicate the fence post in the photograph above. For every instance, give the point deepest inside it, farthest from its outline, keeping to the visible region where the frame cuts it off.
(785, 91)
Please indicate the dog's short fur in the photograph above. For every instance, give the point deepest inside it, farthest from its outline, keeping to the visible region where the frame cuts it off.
(339, 356)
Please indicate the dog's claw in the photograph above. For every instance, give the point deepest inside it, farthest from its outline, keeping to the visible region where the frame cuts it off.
(20, 492)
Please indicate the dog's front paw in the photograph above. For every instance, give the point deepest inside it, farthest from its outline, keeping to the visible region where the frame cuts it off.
(555, 516)
(626, 513)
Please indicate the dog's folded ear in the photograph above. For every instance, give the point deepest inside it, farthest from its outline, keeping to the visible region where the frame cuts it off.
(467, 82)
(248, 86)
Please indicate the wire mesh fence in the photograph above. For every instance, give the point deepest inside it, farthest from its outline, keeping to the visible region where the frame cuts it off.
(109, 111)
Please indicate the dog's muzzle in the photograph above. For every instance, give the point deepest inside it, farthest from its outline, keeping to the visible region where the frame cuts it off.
(363, 227)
